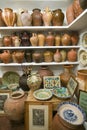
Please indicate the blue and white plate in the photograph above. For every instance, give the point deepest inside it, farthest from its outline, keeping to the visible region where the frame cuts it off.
(71, 113)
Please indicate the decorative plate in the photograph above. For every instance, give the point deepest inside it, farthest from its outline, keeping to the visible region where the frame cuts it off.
(83, 57)
(71, 113)
(42, 94)
(61, 93)
(84, 40)
(10, 77)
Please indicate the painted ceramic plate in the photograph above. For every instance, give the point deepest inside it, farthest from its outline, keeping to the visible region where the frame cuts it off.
(83, 57)
(84, 40)
(42, 94)
(10, 77)
(61, 93)
(71, 113)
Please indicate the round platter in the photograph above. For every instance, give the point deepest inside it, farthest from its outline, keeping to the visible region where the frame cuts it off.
(84, 40)
(42, 94)
(71, 113)
(61, 93)
(10, 77)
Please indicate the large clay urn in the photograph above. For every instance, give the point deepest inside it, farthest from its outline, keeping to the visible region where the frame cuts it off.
(14, 106)
(1, 20)
(58, 17)
(82, 79)
(5, 56)
(47, 17)
(26, 18)
(65, 75)
(72, 55)
(9, 16)
(36, 17)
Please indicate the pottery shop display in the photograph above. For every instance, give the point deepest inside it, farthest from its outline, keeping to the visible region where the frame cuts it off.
(58, 17)
(47, 16)
(41, 39)
(72, 55)
(57, 56)
(5, 56)
(14, 106)
(37, 17)
(9, 16)
(34, 39)
(48, 56)
(50, 39)
(65, 75)
(7, 41)
(65, 39)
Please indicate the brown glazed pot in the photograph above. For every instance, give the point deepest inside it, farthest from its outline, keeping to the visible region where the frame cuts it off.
(14, 106)
(66, 39)
(36, 17)
(50, 39)
(37, 56)
(58, 17)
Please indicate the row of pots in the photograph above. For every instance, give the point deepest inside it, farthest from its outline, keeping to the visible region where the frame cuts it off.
(38, 56)
(40, 39)
(36, 18)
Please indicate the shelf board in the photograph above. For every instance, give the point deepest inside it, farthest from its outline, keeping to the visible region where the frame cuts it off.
(39, 64)
(38, 47)
(78, 24)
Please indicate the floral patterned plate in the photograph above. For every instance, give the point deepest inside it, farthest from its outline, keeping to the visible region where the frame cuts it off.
(42, 94)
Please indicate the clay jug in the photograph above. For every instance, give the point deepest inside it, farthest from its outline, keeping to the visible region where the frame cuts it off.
(25, 39)
(5, 56)
(14, 106)
(18, 56)
(66, 39)
(48, 56)
(26, 18)
(50, 39)
(34, 39)
(65, 75)
(36, 17)
(74, 38)
(9, 16)
(1, 20)
(58, 17)
(18, 14)
(63, 54)
(47, 17)
(7, 41)
(41, 39)
(37, 56)
(82, 79)
(57, 56)
(57, 40)
(16, 41)
(72, 55)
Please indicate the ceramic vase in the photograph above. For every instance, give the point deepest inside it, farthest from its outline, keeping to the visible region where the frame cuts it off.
(41, 39)
(37, 56)
(7, 41)
(28, 56)
(47, 17)
(58, 17)
(14, 106)
(9, 17)
(34, 39)
(50, 39)
(5, 56)
(72, 55)
(18, 56)
(66, 39)
(48, 56)
(1, 20)
(26, 18)
(64, 55)
(57, 56)
(37, 17)
(16, 41)
(58, 40)
(65, 75)
(18, 14)
(25, 39)
(74, 38)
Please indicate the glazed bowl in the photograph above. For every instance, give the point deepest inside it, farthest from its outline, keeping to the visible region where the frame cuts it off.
(71, 114)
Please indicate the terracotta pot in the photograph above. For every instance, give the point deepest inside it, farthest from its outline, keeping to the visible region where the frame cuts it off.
(5, 56)
(50, 39)
(74, 38)
(14, 106)
(37, 56)
(41, 39)
(57, 56)
(72, 55)
(47, 17)
(48, 56)
(26, 18)
(9, 17)
(82, 79)
(18, 56)
(1, 20)
(66, 39)
(58, 17)
(36, 17)
(57, 40)
(34, 39)
(65, 75)
(7, 41)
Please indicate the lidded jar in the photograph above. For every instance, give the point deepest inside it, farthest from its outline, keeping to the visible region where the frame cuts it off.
(37, 17)
(58, 17)
(14, 106)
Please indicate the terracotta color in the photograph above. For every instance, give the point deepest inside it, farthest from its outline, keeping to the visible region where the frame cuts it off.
(57, 40)
(57, 56)
(66, 39)
(74, 38)
(72, 55)
(7, 41)
(41, 39)
(18, 56)
(50, 39)
(34, 39)
(5, 56)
